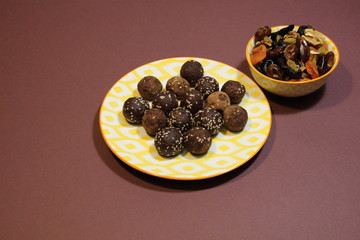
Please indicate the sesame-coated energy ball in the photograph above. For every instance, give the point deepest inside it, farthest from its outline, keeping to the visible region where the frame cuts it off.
(181, 118)
(218, 100)
(149, 87)
(193, 101)
(207, 85)
(235, 90)
(154, 120)
(165, 101)
(169, 141)
(134, 109)
(178, 85)
(210, 119)
(192, 71)
(197, 140)
(235, 118)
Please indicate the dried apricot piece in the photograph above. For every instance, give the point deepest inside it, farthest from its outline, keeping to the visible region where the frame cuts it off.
(311, 69)
(258, 54)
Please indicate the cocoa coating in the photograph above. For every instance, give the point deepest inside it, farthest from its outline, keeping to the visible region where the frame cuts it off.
(169, 141)
(235, 118)
(149, 87)
(192, 71)
(193, 101)
(235, 90)
(218, 100)
(210, 119)
(180, 118)
(154, 120)
(207, 85)
(134, 109)
(178, 86)
(197, 140)
(166, 101)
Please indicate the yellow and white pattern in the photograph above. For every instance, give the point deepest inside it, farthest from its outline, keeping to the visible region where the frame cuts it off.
(228, 151)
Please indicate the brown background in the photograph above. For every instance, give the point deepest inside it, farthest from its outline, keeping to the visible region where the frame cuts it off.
(58, 179)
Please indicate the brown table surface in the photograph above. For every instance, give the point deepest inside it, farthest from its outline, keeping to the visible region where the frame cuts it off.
(59, 180)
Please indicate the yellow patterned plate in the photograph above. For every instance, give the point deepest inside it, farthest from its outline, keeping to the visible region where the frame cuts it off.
(228, 151)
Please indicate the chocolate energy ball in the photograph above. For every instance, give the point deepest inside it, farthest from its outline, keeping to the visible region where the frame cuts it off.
(218, 100)
(210, 119)
(154, 120)
(235, 90)
(235, 118)
(207, 85)
(149, 87)
(166, 101)
(192, 71)
(134, 109)
(169, 141)
(178, 85)
(193, 101)
(181, 118)
(197, 140)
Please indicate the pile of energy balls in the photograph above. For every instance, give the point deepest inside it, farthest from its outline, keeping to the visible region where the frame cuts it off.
(189, 112)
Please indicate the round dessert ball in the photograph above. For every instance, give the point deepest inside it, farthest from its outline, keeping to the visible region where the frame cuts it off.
(218, 100)
(235, 90)
(181, 118)
(169, 141)
(193, 101)
(134, 109)
(149, 87)
(166, 101)
(178, 85)
(197, 140)
(207, 85)
(154, 120)
(235, 118)
(192, 71)
(210, 119)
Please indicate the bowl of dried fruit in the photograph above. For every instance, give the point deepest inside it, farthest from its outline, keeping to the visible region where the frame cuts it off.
(291, 61)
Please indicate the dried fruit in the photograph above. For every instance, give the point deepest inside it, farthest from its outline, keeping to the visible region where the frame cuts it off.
(291, 51)
(321, 64)
(262, 32)
(293, 65)
(289, 54)
(302, 28)
(258, 54)
(282, 31)
(292, 34)
(330, 60)
(312, 69)
(274, 71)
(304, 50)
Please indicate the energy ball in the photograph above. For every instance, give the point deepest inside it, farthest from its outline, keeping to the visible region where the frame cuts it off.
(235, 118)
(134, 109)
(166, 101)
(192, 71)
(207, 85)
(154, 120)
(193, 101)
(197, 140)
(218, 100)
(235, 90)
(181, 118)
(210, 119)
(149, 87)
(169, 141)
(178, 85)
